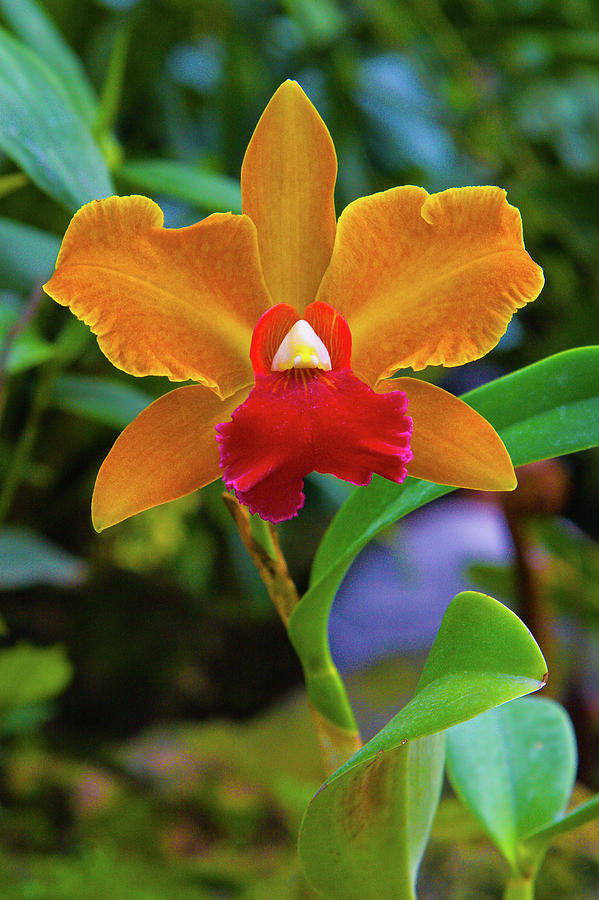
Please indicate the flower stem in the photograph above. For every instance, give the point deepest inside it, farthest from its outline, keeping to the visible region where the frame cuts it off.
(263, 534)
(336, 729)
(519, 888)
(262, 544)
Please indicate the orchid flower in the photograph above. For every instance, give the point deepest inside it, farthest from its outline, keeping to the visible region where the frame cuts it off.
(291, 325)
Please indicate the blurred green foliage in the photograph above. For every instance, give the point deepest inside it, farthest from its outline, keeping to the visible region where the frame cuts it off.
(163, 616)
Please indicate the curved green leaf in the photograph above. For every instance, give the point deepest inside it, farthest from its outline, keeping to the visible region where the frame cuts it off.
(540, 840)
(29, 21)
(105, 400)
(364, 833)
(43, 134)
(514, 768)
(27, 255)
(544, 410)
(28, 559)
(210, 191)
(25, 346)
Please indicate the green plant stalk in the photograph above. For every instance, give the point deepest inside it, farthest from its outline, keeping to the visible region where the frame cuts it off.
(519, 888)
(334, 721)
(262, 534)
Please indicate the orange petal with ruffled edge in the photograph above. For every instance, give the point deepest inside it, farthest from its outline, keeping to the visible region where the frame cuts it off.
(287, 183)
(427, 280)
(452, 444)
(178, 302)
(168, 451)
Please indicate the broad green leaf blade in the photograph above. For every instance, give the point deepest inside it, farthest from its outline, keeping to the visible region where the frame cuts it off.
(544, 410)
(27, 255)
(104, 400)
(29, 21)
(209, 191)
(31, 674)
(514, 768)
(28, 559)
(547, 409)
(43, 134)
(364, 832)
(479, 634)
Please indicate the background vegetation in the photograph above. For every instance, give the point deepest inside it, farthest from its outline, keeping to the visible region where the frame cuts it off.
(150, 747)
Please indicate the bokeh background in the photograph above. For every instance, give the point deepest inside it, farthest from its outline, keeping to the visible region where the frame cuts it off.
(154, 739)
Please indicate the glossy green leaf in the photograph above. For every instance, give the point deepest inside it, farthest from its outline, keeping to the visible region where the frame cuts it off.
(27, 255)
(514, 768)
(104, 400)
(209, 191)
(31, 674)
(365, 831)
(43, 134)
(544, 410)
(28, 559)
(29, 21)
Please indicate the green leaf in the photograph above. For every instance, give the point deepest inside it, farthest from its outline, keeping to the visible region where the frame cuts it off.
(544, 410)
(26, 348)
(27, 255)
(542, 838)
(365, 831)
(11, 183)
(104, 400)
(33, 26)
(209, 191)
(27, 559)
(514, 768)
(31, 674)
(43, 134)
(547, 409)
(112, 89)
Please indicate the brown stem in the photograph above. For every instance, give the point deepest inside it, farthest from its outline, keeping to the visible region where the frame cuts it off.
(271, 566)
(336, 744)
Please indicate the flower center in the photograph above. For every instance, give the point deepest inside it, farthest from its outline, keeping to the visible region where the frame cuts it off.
(301, 348)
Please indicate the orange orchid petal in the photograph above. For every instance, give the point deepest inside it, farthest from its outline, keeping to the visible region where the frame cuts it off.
(178, 302)
(428, 279)
(287, 183)
(452, 444)
(166, 452)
